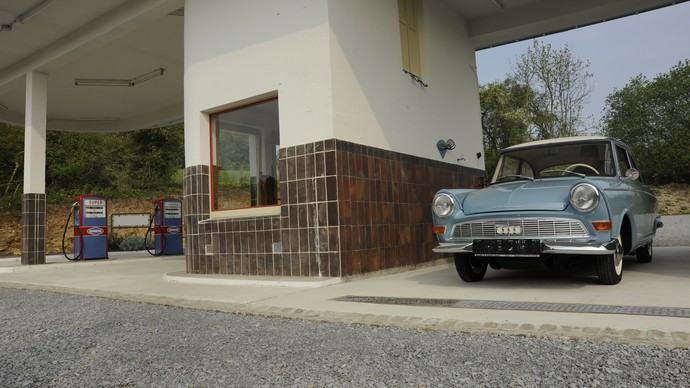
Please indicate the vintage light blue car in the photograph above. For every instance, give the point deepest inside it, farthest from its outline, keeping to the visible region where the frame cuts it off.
(551, 203)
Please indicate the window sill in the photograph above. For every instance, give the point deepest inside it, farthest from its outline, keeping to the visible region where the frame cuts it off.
(262, 211)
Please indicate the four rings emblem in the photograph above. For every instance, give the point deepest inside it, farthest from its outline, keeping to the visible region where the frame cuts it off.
(508, 230)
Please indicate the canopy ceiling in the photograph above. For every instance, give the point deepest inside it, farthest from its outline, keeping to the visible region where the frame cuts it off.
(125, 40)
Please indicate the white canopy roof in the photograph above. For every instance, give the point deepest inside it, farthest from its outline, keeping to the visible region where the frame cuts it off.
(130, 40)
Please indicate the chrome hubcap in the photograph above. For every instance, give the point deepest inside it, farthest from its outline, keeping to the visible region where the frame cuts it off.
(618, 257)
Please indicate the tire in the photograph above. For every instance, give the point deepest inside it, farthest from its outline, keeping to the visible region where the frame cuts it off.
(644, 254)
(610, 267)
(469, 269)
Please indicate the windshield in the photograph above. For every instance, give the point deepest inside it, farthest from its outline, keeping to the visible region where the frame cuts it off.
(555, 160)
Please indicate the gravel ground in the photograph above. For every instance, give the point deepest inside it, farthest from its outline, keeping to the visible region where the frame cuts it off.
(49, 339)
(675, 233)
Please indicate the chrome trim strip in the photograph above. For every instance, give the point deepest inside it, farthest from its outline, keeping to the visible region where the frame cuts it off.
(550, 247)
(577, 248)
(453, 248)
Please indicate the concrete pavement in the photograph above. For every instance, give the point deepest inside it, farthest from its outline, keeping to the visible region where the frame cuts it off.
(651, 304)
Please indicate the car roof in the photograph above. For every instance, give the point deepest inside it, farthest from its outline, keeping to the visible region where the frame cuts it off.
(560, 140)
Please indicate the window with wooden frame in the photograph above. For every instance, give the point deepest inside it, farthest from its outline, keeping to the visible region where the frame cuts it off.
(244, 156)
(408, 12)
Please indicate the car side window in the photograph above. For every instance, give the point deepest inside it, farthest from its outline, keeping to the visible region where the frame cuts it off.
(623, 161)
(526, 169)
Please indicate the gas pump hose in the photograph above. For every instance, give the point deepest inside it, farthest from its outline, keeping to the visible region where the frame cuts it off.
(64, 235)
(148, 232)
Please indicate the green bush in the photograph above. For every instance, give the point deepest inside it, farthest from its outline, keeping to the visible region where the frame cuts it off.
(132, 243)
(117, 243)
(11, 202)
(114, 241)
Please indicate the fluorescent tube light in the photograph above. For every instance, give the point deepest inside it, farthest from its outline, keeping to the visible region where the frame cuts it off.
(33, 11)
(145, 77)
(24, 16)
(119, 82)
(102, 82)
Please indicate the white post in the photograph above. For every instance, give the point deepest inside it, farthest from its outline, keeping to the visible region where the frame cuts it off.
(34, 197)
(35, 132)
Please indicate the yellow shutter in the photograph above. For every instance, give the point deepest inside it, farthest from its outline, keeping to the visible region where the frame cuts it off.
(402, 13)
(409, 36)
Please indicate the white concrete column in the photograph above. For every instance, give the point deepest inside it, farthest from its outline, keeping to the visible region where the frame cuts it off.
(34, 197)
(35, 132)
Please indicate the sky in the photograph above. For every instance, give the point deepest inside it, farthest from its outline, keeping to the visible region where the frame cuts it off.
(649, 43)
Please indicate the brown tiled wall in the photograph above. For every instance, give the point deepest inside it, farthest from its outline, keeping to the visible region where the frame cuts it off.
(227, 246)
(197, 208)
(385, 199)
(310, 226)
(33, 228)
(346, 209)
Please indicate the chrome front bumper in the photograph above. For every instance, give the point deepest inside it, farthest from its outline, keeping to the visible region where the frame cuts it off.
(548, 247)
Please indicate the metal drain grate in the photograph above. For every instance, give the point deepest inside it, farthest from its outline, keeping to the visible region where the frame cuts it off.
(676, 312)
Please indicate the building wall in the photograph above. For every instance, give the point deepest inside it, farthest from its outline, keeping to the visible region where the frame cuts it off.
(348, 209)
(375, 103)
(358, 157)
(336, 67)
(238, 50)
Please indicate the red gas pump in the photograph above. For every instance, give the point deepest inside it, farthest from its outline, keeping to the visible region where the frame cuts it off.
(90, 228)
(167, 220)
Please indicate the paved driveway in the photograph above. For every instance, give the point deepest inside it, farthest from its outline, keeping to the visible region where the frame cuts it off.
(675, 233)
(535, 303)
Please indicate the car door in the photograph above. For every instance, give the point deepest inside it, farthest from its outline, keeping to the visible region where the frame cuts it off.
(643, 203)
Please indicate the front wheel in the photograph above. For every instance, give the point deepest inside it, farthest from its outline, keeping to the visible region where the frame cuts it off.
(610, 267)
(468, 268)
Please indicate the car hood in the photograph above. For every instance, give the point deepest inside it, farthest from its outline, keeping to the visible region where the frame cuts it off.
(549, 195)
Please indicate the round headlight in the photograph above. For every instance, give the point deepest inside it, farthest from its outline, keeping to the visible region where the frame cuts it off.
(584, 197)
(443, 205)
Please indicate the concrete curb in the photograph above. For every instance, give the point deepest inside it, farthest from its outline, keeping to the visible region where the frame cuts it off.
(675, 339)
(222, 280)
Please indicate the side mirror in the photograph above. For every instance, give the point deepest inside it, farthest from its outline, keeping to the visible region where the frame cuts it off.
(632, 174)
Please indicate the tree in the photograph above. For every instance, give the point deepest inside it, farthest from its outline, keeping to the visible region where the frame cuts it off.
(11, 159)
(561, 85)
(543, 98)
(505, 120)
(84, 162)
(155, 155)
(81, 163)
(653, 118)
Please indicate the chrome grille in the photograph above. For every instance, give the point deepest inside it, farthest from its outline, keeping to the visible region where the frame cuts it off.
(520, 228)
